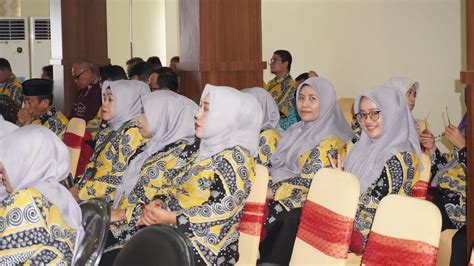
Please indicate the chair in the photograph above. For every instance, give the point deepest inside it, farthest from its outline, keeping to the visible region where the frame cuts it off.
(421, 124)
(95, 220)
(327, 219)
(157, 245)
(254, 215)
(347, 108)
(405, 231)
(73, 138)
(420, 189)
(471, 261)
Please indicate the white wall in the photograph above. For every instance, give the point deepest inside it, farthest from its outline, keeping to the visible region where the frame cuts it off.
(34, 8)
(359, 44)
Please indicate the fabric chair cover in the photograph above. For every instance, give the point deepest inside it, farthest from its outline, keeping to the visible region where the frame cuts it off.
(73, 138)
(405, 231)
(327, 219)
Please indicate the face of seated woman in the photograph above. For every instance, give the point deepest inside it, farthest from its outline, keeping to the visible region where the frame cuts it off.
(108, 105)
(371, 118)
(308, 104)
(4, 179)
(201, 116)
(411, 97)
(144, 127)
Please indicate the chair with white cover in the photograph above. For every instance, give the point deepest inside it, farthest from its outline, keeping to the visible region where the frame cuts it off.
(445, 247)
(327, 218)
(73, 139)
(347, 108)
(471, 261)
(405, 231)
(254, 215)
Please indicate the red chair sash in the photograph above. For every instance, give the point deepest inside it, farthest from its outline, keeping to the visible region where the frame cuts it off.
(325, 230)
(420, 189)
(253, 218)
(72, 140)
(385, 250)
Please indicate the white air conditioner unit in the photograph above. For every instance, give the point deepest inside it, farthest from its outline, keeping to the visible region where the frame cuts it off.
(40, 44)
(14, 45)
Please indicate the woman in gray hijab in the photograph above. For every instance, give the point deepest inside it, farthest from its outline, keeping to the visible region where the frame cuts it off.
(207, 201)
(269, 135)
(385, 159)
(40, 221)
(168, 122)
(302, 151)
(116, 144)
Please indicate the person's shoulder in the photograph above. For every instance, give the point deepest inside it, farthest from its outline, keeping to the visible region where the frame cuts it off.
(271, 132)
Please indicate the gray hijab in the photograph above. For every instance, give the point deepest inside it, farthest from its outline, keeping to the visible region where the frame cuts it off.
(234, 119)
(368, 156)
(402, 83)
(6, 127)
(304, 136)
(170, 117)
(127, 95)
(34, 157)
(271, 114)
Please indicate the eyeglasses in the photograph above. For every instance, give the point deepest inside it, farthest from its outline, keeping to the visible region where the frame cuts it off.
(76, 77)
(374, 116)
(273, 60)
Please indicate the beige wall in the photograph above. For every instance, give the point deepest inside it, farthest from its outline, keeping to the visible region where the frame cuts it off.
(359, 44)
(34, 8)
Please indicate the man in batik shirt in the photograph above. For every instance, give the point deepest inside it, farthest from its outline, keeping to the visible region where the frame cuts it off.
(38, 107)
(283, 88)
(10, 85)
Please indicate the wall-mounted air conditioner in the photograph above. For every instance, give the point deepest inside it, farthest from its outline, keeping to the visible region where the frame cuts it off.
(14, 45)
(40, 44)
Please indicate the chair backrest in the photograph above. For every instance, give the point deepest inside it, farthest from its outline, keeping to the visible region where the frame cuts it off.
(420, 189)
(95, 220)
(73, 139)
(405, 231)
(327, 219)
(156, 245)
(421, 124)
(445, 247)
(254, 215)
(471, 261)
(347, 108)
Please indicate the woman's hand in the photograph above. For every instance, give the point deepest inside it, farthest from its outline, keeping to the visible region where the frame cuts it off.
(154, 214)
(455, 136)
(427, 140)
(117, 215)
(336, 163)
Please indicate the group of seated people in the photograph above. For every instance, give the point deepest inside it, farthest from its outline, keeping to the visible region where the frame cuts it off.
(159, 158)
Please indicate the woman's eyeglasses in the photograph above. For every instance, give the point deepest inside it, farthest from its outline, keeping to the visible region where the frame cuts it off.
(374, 116)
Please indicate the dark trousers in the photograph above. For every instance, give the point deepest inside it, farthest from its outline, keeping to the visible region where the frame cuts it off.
(277, 247)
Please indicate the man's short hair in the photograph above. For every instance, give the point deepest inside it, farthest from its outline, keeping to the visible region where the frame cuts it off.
(48, 70)
(8, 108)
(154, 61)
(175, 58)
(112, 72)
(4, 64)
(49, 97)
(142, 70)
(285, 57)
(302, 77)
(167, 79)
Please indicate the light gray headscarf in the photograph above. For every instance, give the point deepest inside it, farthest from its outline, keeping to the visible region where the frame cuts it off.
(234, 119)
(127, 99)
(6, 127)
(402, 83)
(368, 156)
(170, 117)
(304, 136)
(271, 114)
(34, 157)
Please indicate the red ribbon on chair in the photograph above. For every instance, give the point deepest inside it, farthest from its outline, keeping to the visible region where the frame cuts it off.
(72, 140)
(325, 230)
(420, 189)
(386, 250)
(253, 218)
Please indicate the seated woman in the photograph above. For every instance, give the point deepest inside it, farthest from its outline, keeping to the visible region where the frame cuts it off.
(385, 159)
(208, 199)
(40, 221)
(117, 144)
(168, 120)
(269, 135)
(301, 152)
